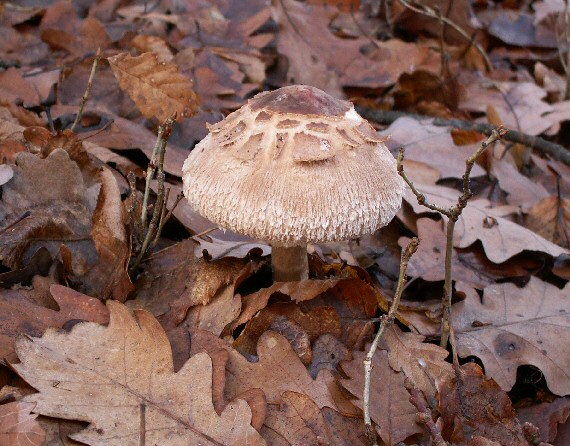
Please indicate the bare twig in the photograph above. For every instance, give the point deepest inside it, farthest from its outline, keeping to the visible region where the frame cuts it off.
(386, 323)
(556, 151)
(87, 93)
(424, 413)
(156, 165)
(452, 213)
(430, 12)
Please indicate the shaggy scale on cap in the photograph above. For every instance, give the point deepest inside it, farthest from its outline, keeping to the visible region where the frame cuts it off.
(294, 166)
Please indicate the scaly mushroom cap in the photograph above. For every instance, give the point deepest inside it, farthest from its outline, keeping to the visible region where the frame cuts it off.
(294, 166)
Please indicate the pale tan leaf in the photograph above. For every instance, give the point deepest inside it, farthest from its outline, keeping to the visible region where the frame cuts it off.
(18, 426)
(510, 326)
(501, 238)
(121, 380)
(158, 88)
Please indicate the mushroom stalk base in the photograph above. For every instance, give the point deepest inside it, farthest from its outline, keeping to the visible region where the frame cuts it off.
(290, 264)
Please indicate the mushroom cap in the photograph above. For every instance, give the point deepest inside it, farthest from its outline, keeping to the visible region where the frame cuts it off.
(294, 166)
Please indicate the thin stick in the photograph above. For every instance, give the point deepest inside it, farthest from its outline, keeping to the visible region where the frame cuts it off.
(556, 151)
(87, 93)
(158, 154)
(386, 323)
(427, 11)
(424, 414)
(452, 213)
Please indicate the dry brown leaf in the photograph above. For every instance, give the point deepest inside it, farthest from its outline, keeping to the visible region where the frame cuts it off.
(501, 238)
(550, 218)
(424, 364)
(296, 421)
(313, 322)
(278, 370)
(432, 145)
(121, 380)
(62, 199)
(158, 88)
(473, 405)
(18, 426)
(520, 105)
(547, 417)
(318, 57)
(20, 314)
(390, 408)
(521, 190)
(511, 326)
(62, 28)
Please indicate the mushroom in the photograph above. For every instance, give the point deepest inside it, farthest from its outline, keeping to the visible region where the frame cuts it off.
(294, 166)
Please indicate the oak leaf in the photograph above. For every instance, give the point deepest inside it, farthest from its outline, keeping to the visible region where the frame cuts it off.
(158, 88)
(424, 364)
(21, 315)
(510, 326)
(18, 426)
(121, 380)
(501, 238)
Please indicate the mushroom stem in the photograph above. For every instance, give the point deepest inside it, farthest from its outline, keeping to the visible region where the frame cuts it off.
(290, 264)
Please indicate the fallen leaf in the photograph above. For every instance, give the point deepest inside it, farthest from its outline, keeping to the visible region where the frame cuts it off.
(509, 327)
(130, 362)
(62, 28)
(521, 190)
(18, 426)
(278, 369)
(318, 57)
(547, 417)
(61, 197)
(22, 315)
(390, 409)
(472, 405)
(424, 364)
(158, 88)
(521, 105)
(328, 352)
(431, 145)
(501, 240)
(296, 421)
(550, 218)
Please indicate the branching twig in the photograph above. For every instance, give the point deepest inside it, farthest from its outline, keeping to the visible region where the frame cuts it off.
(430, 12)
(556, 151)
(386, 323)
(452, 213)
(145, 236)
(87, 93)
(424, 413)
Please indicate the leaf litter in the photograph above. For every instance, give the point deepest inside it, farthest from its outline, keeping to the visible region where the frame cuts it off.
(208, 349)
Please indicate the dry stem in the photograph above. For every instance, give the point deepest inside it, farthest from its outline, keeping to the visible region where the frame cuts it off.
(424, 413)
(87, 93)
(146, 234)
(386, 323)
(452, 213)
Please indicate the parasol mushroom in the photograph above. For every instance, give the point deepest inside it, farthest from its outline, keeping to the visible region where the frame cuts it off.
(291, 167)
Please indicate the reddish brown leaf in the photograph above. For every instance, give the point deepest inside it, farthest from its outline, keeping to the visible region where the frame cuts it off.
(21, 315)
(158, 88)
(547, 417)
(472, 405)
